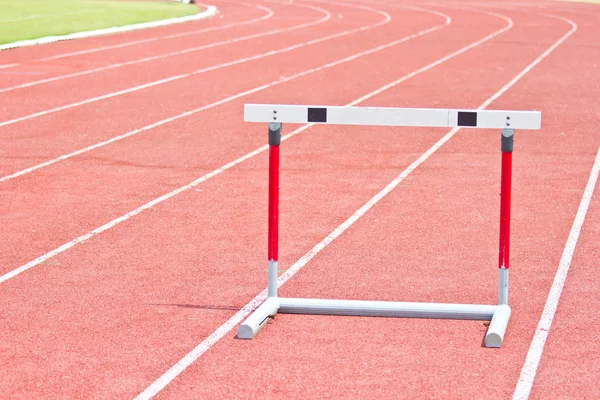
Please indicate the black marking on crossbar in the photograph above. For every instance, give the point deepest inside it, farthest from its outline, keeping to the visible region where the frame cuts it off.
(467, 118)
(317, 115)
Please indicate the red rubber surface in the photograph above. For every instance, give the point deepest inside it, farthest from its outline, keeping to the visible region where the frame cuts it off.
(109, 316)
(570, 365)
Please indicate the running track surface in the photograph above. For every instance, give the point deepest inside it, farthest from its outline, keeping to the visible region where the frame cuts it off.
(106, 312)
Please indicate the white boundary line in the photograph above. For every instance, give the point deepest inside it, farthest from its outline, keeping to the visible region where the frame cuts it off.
(8, 65)
(230, 98)
(534, 355)
(211, 340)
(146, 40)
(268, 15)
(212, 68)
(209, 12)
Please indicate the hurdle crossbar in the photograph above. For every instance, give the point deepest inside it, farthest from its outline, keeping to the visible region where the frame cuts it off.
(389, 116)
(275, 115)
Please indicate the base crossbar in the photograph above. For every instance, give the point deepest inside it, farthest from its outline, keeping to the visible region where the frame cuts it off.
(499, 315)
(386, 309)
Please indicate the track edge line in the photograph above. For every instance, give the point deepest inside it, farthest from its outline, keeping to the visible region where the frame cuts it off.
(210, 11)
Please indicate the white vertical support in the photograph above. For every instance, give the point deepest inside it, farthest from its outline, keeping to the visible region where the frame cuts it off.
(273, 268)
(503, 286)
(258, 319)
(497, 328)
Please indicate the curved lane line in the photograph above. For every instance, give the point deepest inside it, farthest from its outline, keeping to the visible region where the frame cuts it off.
(209, 12)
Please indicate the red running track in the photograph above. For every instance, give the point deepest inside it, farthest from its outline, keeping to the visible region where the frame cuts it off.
(109, 316)
(572, 338)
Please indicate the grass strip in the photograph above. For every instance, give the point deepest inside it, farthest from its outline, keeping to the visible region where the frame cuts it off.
(32, 19)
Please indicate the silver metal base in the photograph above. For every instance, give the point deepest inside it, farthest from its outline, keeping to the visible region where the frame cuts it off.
(502, 286)
(386, 309)
(495, 333)
(258, 319)
(273, 269)
(498, 315)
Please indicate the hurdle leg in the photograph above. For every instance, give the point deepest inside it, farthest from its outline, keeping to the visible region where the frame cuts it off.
(495, 333)
(259, 318)
(273, 235)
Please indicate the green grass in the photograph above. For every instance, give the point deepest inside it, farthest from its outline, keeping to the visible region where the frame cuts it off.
(31, 19)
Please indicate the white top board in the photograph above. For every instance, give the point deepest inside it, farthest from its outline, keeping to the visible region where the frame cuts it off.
(388, 116)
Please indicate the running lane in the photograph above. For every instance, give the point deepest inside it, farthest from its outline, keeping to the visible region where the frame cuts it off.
(569, 364)
(154, 287)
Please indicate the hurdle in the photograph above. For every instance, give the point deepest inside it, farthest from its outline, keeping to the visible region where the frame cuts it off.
(276, 115)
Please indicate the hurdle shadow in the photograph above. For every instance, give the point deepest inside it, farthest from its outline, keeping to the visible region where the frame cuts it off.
(199, 306)
(202, 307)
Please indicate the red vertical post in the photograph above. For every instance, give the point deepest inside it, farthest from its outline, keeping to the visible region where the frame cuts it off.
(503, 260)
(273, 238)
(273, 203)
(505, 188)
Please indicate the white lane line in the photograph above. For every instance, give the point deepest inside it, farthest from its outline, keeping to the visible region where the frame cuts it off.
(224, 329)
(8, 65)
(209, 12)
(534, 355)
(230, 98)
(225, 167)
(161, 56)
